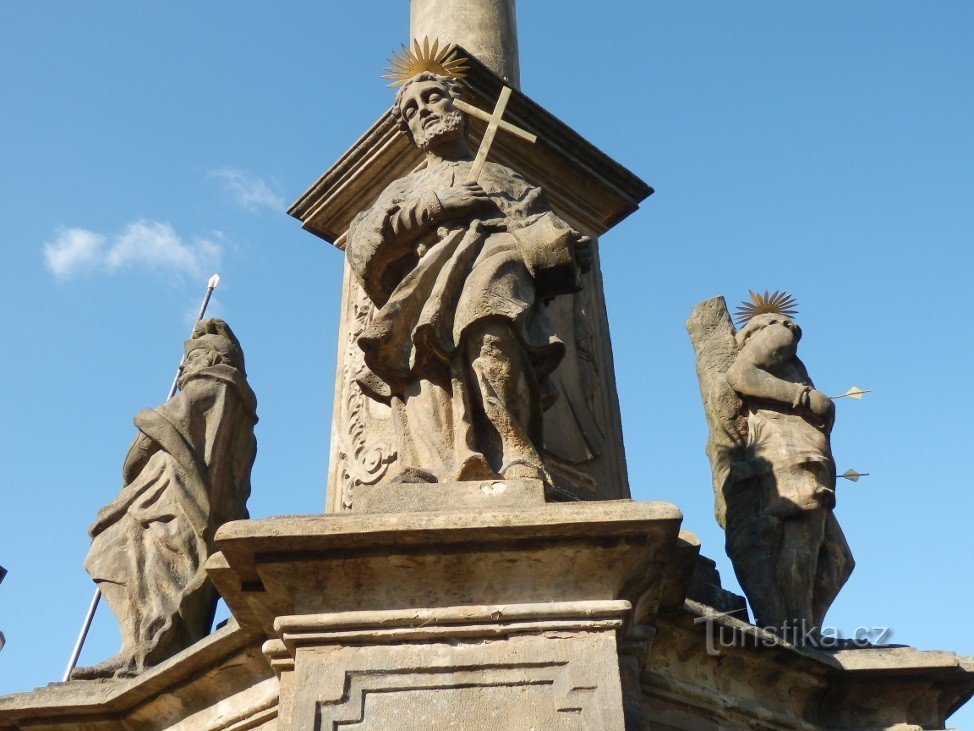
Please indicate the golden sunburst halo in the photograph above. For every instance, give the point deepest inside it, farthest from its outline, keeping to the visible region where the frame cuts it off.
(760, 304)
(423, 57)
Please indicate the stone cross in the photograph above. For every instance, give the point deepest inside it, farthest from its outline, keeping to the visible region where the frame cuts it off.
(494, 121)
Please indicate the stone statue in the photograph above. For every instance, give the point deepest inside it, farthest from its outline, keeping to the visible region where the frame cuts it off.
(774, 476)
(187, 472)
(459, 274)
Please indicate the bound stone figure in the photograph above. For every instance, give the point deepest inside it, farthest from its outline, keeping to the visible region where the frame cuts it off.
(459, 273)
(186, 473)
(774, 476)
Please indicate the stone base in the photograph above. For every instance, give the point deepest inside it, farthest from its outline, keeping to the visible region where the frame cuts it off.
(456, 497)
(506, 619)
(562, 616)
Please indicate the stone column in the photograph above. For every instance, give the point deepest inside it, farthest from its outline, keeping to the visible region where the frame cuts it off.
(486, 28)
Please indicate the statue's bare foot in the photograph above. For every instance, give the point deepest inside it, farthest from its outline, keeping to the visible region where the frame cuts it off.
(414, 474)
(119, 665)
(522, 470)
(475, 467)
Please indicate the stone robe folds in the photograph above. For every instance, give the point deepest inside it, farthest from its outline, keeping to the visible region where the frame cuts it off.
(187, 472)
(779, 438)
(431, 285)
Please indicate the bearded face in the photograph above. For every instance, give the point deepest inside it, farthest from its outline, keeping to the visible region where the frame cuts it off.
(434, 134)
(427, 108)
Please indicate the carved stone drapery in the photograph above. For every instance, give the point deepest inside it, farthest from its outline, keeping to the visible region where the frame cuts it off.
(365, 446)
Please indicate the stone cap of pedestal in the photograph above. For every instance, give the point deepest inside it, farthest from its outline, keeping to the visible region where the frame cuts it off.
(462, 622)
(347, 563)
(584, 185)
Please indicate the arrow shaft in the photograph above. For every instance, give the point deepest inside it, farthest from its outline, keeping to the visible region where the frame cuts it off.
(86, 625)
(851, 395)
(202, 312)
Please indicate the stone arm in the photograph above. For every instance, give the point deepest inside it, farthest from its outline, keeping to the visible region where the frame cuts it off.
(380, 241)
(751, 372)
(138, 456)
(193, 399)
(410, 219)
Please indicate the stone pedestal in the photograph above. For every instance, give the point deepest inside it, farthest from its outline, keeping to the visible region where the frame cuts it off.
(557, 616)
(505, 619)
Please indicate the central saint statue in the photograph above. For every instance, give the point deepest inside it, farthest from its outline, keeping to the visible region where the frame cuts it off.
(459, 273)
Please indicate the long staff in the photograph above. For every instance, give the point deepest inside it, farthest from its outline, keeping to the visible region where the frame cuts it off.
(86, 625)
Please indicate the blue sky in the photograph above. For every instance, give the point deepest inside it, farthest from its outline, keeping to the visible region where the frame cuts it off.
(823, 148)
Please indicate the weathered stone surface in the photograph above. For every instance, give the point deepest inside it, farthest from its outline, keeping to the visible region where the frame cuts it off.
(707, 670)
(221, 683)
(585, 186)
(705, 588)
(582, 430)
(774, 476)
(712, 335)
(547, 666)
(506, 616)
(503, 665)
(187, 472)
(487, 28)
(488, 495)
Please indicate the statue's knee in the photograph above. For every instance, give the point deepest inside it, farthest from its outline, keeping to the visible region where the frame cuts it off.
(493, 340)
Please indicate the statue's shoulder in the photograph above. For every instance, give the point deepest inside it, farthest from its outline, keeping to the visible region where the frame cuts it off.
(399, 189)
(504, 175)
(396, 192)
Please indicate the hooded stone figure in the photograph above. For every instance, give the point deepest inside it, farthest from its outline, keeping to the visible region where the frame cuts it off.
(186, 473)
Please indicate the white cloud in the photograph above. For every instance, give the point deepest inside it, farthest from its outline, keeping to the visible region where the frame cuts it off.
(140, 244)
(74, 249)
(248, 191)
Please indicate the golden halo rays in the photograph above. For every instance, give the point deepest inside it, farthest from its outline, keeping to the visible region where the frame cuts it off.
(441, 61)
(776, 302)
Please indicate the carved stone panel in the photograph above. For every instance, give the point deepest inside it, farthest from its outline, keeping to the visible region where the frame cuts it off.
(362, 442)
(563, 680)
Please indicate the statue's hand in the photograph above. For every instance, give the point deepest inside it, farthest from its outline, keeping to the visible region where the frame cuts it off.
(463, 200)
(820, 404)
(583, 253)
